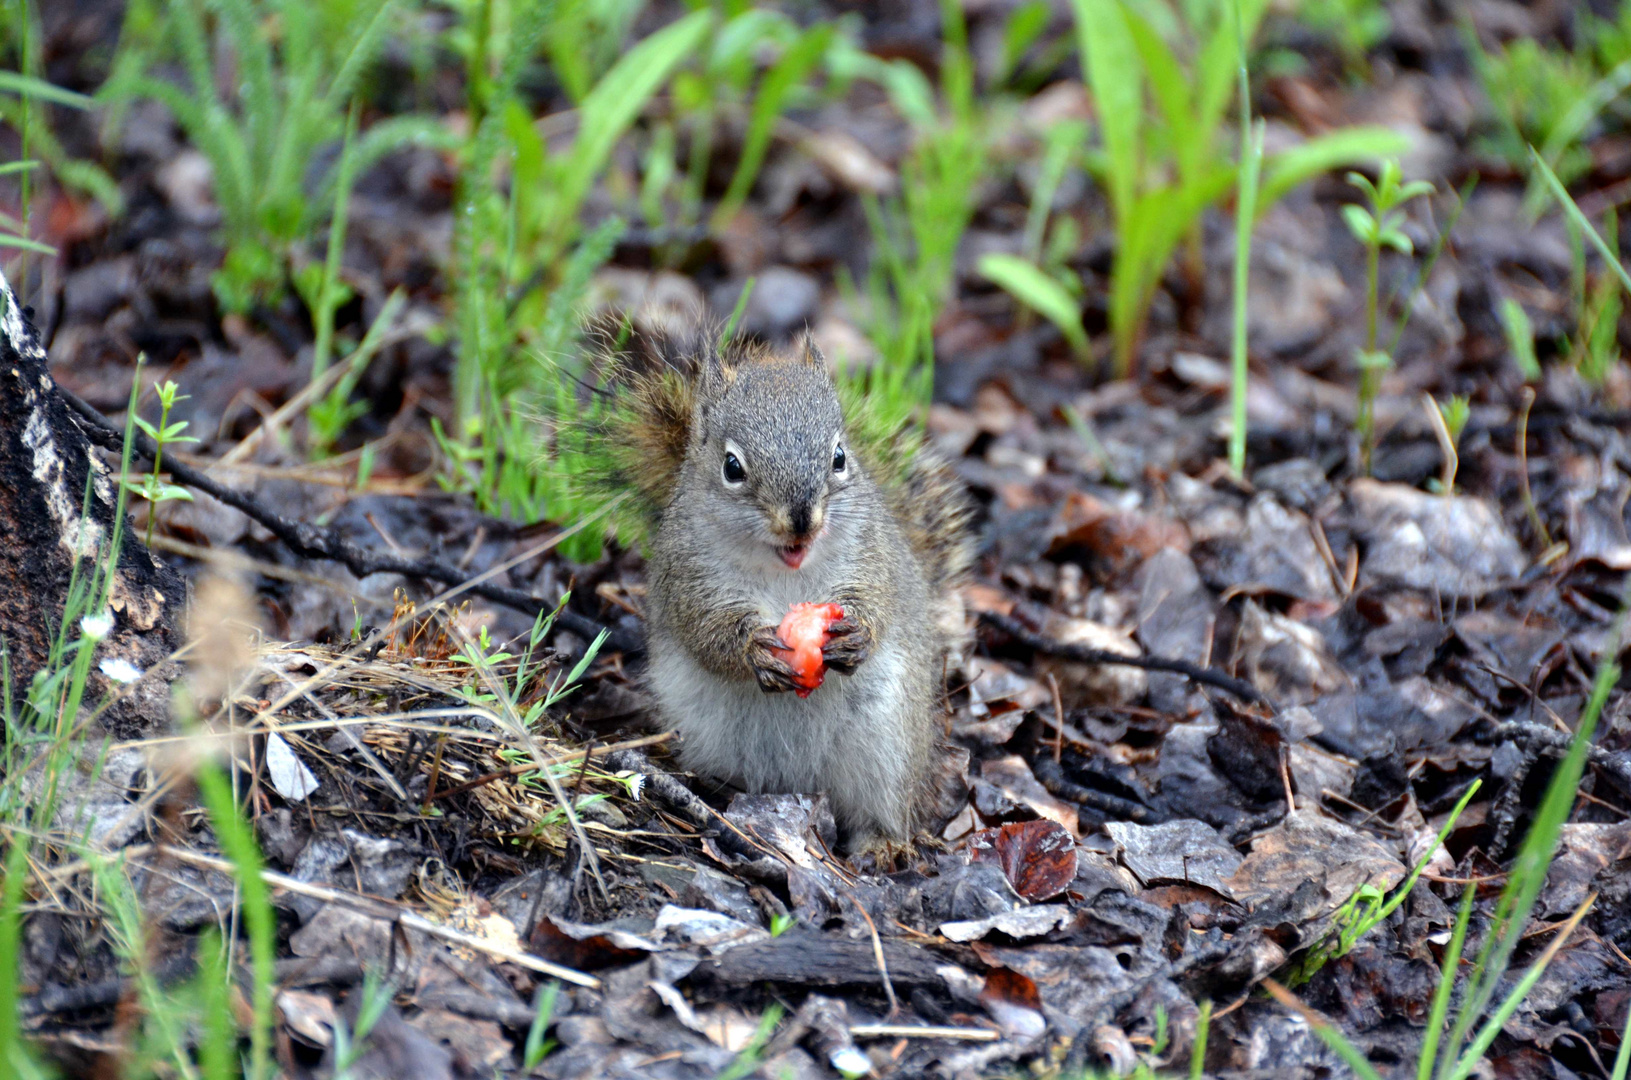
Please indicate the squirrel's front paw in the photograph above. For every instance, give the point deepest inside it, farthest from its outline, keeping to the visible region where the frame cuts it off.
(848, 645)
(765, 651)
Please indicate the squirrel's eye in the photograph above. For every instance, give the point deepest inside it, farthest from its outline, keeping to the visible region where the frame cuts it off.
(734, 473)
(838, 459)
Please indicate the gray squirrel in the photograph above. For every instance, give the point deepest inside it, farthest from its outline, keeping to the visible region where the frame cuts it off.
(763, 494)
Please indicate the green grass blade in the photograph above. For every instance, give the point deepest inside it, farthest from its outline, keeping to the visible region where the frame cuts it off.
(40, 90)
(617, 99)
(1528, 872)
(238, 845)
(11, 927)
(789, 71)
(1573, 213)
(1197, 1053)
(1622, 1060)
(324, 314)
(1348, 146)
(1446, 985)
(22, 243)
(1328, 1033)
(1116, 79)
(536, 1048)
(1250, 176)
(1032, 287)
(1492, 1027)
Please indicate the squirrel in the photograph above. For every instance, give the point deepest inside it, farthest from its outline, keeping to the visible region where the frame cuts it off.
(761, 493)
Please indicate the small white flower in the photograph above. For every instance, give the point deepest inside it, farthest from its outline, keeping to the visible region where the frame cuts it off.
(119, 669)
(98, 626)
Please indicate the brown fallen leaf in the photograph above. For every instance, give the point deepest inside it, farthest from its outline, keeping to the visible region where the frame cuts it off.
(1038, 857)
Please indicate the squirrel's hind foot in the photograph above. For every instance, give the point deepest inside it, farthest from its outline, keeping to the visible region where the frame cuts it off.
(887, 855)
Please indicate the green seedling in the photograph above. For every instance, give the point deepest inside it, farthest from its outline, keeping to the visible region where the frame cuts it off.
(350, 1041)
(1354, 27)
(1520, 338)
(164, 434)
(1197, 1053)
(1369, 906)
(781, 922)
(537, 1046)
(748, 1058)
(287, 101)
(1448, 419)
(1377, 227)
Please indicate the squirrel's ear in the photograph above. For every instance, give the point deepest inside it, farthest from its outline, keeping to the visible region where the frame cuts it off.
(712, 366)
(808, 351)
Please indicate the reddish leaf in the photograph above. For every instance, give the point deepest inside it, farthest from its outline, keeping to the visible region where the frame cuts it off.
(1011, 988)
(1037, 857)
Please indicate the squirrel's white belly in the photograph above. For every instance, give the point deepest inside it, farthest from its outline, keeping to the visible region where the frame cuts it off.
(734, 731)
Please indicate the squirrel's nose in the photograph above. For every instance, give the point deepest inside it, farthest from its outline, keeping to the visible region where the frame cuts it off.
(805, 518)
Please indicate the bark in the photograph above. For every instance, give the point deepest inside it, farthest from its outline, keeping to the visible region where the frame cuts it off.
(58, 498)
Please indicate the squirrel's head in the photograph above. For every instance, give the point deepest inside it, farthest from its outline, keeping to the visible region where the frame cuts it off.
(768, 447)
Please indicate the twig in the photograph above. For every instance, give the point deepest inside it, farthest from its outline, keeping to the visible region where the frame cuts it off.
(312, 542)
(914, 1031)
(1082, 654)
(877, 955)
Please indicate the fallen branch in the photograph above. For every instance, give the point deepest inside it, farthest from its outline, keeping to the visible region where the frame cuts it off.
(1017, 630)
(313, 542)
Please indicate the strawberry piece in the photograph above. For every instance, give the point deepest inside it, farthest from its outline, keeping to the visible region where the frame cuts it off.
(804, 629)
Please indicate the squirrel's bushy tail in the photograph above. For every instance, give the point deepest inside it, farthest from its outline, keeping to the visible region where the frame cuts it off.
(934, 509)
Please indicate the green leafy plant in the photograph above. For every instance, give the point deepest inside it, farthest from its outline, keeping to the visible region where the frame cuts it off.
(1377, 227)
(262, 139)
(1042, 293)
(915, 235)
(1354, 27)
(1458, 1056)
(782, 922)
(1162, 165)
(23, 94)
(1369, 906)
(1550, 97)
(350, 1039)
(748, 1058)
(488, 661)
(164, 434)
(521, 268)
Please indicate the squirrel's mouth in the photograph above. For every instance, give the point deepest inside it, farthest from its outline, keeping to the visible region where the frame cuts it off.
(795, 554)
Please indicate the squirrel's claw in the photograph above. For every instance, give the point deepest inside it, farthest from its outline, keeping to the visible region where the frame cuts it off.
(848, 646)
(774, 675)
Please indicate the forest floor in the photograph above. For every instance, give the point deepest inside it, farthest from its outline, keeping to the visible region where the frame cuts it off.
(1132, 842)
